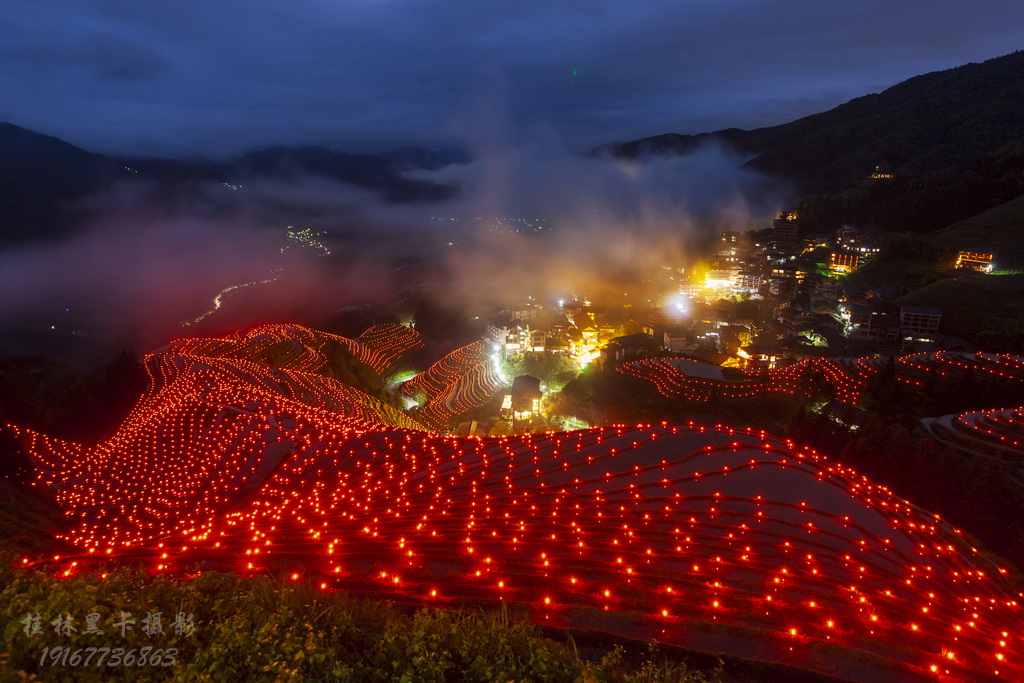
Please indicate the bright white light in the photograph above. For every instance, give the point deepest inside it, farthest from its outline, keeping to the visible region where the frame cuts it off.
(680, 304)
(496, 360)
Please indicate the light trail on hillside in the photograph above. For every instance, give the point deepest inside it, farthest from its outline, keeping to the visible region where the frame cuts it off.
(242, 456)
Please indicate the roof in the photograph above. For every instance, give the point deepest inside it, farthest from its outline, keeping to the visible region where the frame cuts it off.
(635, 341)
(763, 350)
(708, 356)
(525, 385)
(922, 310)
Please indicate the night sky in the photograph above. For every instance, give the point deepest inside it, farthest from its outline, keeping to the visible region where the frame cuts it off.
(217, 77)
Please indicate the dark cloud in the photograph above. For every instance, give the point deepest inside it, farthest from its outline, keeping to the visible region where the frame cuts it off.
(216, 77)
(95, 56)
(114, 58)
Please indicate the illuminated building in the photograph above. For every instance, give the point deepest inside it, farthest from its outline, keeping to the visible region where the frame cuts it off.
(496, 329)
(817, 241)
(842, 261)
(975, 260)
(720, 279)
(676, 342)
(538, 338)
(785, 279)
(517, 339)
(728, 249)
(522, 403)
(867, 249)
(557, 344)
(747, 281)
(846, 235)
(883, 171)
(761, 356)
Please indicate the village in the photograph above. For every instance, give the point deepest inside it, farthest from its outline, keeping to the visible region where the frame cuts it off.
(761, 300)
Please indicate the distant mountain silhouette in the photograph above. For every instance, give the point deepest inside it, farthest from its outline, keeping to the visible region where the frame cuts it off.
(952, 140)
(363, 170)
(948, 145)
(40, 179)
(409, 158)
(43, 179)
(668, 144)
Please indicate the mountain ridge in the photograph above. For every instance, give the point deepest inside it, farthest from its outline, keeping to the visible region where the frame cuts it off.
(43, 178)
(954, 141)
(772, 144)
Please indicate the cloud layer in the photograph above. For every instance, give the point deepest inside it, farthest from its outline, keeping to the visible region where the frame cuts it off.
(152, 261)
(195, 77)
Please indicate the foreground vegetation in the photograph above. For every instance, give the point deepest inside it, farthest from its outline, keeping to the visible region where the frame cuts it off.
(268, 628)
(265, 629)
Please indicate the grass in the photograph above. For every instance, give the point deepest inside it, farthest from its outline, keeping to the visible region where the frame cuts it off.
(28, 521)
(968, 299)
(999, 230)
(273, 628)
(268, 629)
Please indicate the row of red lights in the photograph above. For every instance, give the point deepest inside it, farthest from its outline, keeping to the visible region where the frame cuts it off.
(230, 463)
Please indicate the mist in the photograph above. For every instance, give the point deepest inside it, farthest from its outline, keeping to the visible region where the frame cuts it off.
(138, 280)
(149, 266)
(600, 217)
